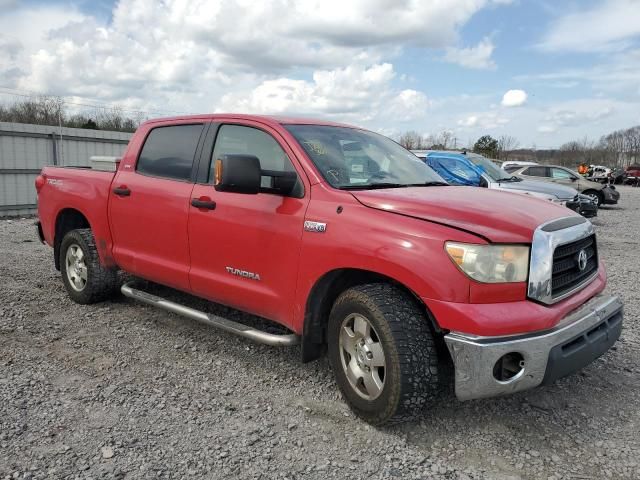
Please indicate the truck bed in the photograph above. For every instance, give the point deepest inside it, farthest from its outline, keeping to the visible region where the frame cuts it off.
(72, 188)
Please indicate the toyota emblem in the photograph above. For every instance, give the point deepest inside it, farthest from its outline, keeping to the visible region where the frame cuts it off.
(582, 260)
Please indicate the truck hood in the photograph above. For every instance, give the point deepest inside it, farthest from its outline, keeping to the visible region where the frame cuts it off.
(559, 191)
(495, 215)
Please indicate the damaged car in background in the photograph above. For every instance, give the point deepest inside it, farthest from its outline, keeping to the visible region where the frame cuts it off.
(471, 169)
(603, 194)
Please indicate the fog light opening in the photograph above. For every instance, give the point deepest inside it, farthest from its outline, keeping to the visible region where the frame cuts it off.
(508, 367)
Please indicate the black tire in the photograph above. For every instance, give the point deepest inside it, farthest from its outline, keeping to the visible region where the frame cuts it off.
(411, 372)
(597, 194)
(100, 283)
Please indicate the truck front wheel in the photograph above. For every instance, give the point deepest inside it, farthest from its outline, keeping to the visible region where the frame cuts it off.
(84, 277)
(382, 352)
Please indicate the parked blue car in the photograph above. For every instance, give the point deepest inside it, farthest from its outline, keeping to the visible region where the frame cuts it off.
(455, 168)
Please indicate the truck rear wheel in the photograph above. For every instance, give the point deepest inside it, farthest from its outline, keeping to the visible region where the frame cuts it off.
(84, 277)
(382, 352)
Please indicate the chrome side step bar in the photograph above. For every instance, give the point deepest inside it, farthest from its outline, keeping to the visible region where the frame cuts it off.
(230, 326)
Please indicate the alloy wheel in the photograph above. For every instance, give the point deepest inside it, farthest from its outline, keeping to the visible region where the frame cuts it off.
(76, 268)
(362, 356)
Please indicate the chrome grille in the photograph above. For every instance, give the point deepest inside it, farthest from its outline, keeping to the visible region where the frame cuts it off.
(567, 274)
(554, 272)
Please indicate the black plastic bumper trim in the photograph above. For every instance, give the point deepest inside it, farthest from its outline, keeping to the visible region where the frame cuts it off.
(579, 351)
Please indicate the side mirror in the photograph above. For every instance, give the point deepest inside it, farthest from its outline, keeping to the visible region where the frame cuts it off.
(241, 173)
(237, 173)
(574, 179)
(282, 183)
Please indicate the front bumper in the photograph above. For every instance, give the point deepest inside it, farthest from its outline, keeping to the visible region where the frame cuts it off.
(580, 337)
(611, 196)
(584, 206)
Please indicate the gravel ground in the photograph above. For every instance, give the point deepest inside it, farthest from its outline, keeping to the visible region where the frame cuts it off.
(120, 390)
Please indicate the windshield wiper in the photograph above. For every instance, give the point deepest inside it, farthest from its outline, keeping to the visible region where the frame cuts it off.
(509, 179)
(429, 184)
(371, 186)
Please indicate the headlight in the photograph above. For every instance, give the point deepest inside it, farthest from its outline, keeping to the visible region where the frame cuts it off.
(491, 263)
(557, 201)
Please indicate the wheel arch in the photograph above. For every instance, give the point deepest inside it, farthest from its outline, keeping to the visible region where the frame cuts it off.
(324, 293)
(596, 192)
(67, 219)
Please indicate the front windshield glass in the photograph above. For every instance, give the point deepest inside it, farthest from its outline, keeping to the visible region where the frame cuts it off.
(487, 166)
(351, 158)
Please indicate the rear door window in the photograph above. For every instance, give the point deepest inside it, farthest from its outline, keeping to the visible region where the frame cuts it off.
(168, 152)
(536, 172)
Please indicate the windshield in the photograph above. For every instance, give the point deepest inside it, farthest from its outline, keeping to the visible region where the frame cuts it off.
(351, 159)
(487, 166)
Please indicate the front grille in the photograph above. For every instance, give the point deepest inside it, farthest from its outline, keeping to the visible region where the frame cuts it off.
(566, 274)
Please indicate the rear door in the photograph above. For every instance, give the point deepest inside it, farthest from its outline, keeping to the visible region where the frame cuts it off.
(536, 172)
(245, 250)
(149, 206)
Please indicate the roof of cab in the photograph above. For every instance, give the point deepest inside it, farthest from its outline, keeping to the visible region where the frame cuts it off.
(266, 119)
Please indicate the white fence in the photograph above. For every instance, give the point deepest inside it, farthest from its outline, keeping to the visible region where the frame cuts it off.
(25, 149)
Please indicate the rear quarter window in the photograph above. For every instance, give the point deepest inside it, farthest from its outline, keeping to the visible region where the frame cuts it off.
(169, 152)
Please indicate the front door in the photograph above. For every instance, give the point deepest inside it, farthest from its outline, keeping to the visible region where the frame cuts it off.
(245, 251)
(149, 206)
(563, 177)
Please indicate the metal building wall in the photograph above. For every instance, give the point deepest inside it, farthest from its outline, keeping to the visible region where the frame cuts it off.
(25, 149)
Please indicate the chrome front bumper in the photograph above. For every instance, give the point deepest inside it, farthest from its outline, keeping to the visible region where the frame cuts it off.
(580, 337)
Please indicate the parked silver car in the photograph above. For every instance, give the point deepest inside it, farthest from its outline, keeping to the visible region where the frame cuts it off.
(562, 176)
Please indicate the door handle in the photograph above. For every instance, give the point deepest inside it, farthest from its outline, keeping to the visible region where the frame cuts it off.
(122, 191)
(206, 204)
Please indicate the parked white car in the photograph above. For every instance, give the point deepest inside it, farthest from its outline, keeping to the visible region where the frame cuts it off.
(510, 166)
(599, 173)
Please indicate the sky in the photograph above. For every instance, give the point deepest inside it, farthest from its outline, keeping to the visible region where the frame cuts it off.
(544, 72)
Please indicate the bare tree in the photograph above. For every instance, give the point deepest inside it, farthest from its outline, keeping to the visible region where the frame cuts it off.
(506, 144)
(571, 154)
(412, 140)
(632, 144)
(446, 139)
(49, 110)
(42, 110)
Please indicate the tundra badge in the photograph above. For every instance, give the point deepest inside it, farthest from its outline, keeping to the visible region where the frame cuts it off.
(316, 227)
(242, 273)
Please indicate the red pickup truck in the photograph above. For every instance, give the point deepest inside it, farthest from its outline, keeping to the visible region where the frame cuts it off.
(349, 241)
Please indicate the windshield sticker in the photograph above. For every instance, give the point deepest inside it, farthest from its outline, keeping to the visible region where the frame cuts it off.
(316, 147)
